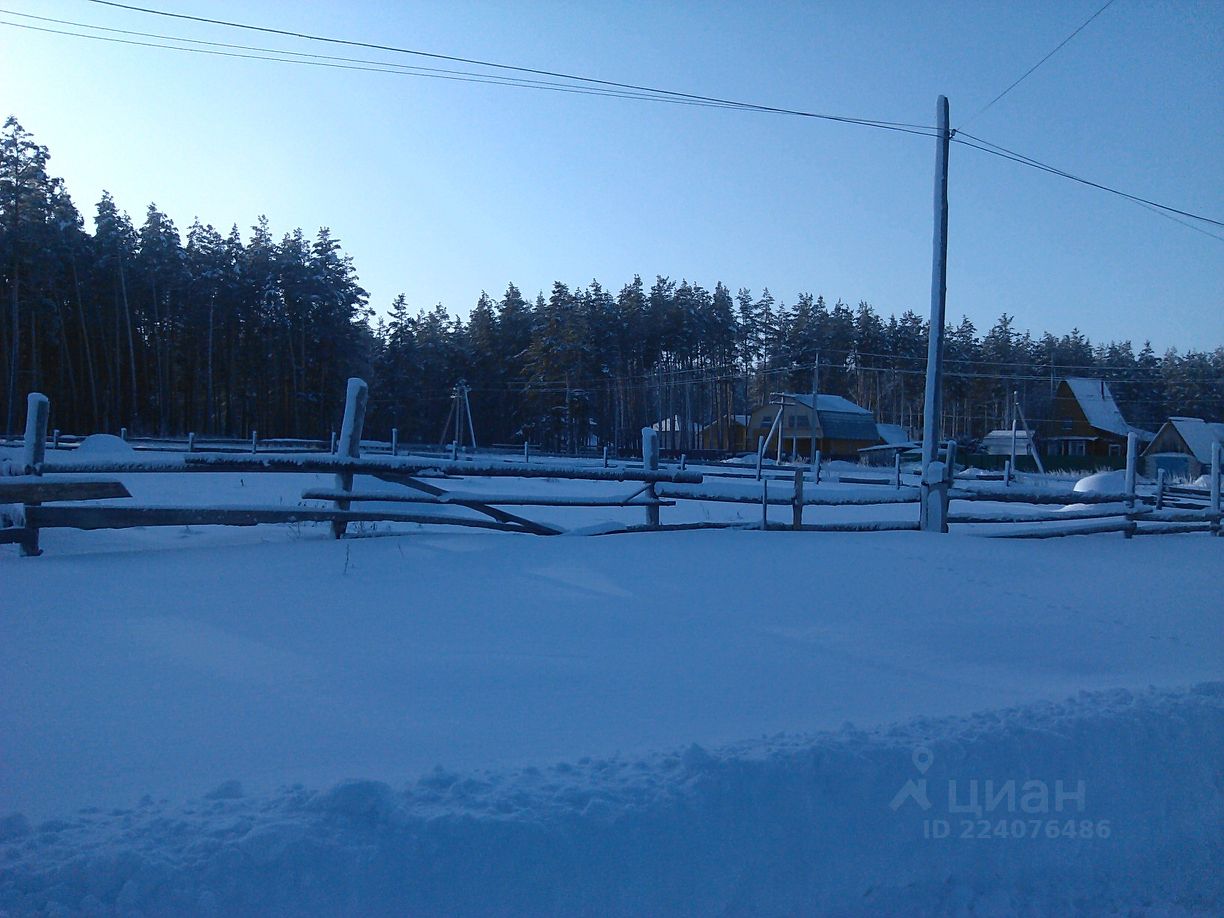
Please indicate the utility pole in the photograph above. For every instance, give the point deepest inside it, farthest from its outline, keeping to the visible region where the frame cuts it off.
(933, 506)
(933, 402)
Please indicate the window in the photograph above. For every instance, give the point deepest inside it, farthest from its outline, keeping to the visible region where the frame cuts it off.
(766, 420)
(1115, 449)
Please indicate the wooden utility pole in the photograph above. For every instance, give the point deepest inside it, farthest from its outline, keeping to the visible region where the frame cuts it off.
(933, 403)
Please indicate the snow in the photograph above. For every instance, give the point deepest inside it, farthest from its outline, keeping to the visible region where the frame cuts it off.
(423, 720)
(105, 446)
(1108, 482)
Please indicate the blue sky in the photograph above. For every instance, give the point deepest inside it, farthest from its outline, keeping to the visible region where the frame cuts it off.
(442, 189)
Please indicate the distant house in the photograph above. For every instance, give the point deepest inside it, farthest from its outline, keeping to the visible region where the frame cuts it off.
(675, 433)
(839, 427)
(1182, 447)
(727, 433)
(1086, 421)
(999, 443)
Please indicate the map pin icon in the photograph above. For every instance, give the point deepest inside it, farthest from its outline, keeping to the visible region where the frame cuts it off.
(923, 757)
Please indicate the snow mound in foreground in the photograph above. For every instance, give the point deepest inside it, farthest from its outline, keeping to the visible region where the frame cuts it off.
(1108, 801)
(1102, 483)
(105, 446)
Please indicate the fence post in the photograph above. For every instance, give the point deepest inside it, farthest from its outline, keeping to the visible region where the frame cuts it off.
(933, 511)
(1007, 473)
(394, 441)
(897, 471)
(1215, 487)
(331, 448)
(797, 503)
(526, 451)
(350, 441)
(683, 461)
(764, 504)
(1132, 453)
(55, 438)
(1160, 488)
(254, 441)
(123, 433)
(38, 407)
(760, 454)
(650, 462)
(191, 442)
(605, 456)
(816, 465)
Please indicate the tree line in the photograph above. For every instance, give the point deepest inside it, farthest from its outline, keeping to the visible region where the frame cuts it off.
(138, 327)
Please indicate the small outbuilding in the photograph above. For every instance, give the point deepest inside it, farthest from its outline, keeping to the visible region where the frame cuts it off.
(1182, 447)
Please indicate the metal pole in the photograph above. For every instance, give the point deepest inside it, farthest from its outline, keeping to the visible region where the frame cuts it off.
(933, 403)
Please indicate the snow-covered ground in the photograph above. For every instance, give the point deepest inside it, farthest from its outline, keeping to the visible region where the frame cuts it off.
(432, 721)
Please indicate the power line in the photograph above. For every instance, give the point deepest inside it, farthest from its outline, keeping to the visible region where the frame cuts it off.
(378, 66)
(866, 122)
(601, 87)
(995, 150)
(1029, 72)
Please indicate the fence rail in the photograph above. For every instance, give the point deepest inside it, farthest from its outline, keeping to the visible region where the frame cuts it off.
(1174, 509)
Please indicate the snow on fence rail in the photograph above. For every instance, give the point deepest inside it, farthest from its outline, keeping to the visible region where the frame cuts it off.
(1187, 510)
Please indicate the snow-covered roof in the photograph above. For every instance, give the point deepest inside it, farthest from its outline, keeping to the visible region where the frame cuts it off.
(675, 423)
(1199, 435)
(1098, 404)
(740, 419)
(893, 434)
(828, 403)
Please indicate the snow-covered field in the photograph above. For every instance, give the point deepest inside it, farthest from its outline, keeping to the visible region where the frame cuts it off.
(434, 721)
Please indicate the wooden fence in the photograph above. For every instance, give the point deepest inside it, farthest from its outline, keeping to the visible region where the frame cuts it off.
(71, 482)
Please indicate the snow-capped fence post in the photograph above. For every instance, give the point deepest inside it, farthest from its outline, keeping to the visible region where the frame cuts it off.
(254, 441)
(350, 441)
(816, 467)
(394, 441)
(933, 511)
(38, 407)
(605, 456)
(191, 442)
(123, 433)
(760, 455)
(764, 504)
(650, 462)
(1160, 488)
(797, 502)
(1007, 473)
(331, 449)
(1132, 454)
(897, 471)
(1215, 487)
(55, 438)
(683, 461)
(526, 451)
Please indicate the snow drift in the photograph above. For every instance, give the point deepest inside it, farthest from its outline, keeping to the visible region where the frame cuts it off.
(1132, 798)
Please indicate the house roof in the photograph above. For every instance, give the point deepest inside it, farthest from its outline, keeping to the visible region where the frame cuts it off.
(1099, 406)
(893, 434)
(840, 418)
(675, 423)
(1199, 435)
(1001, 434)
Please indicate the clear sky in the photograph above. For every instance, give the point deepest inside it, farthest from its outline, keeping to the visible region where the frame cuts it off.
(442, 189)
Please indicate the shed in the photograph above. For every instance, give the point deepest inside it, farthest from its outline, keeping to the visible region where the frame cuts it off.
(1182, 447)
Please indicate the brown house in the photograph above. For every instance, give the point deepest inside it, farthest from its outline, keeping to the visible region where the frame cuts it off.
(730, 434)
(840, 427)
(1182, 447)
(1086, 421)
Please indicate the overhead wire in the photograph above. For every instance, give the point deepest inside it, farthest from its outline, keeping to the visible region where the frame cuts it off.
(1024, 76)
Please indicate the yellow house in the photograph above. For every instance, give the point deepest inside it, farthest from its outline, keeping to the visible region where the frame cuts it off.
(839, 427)
(729, 433)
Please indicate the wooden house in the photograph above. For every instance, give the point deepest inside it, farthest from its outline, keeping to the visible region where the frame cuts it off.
(839, 427)
(728, 433)
(1182, 447)
(1086, 421)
